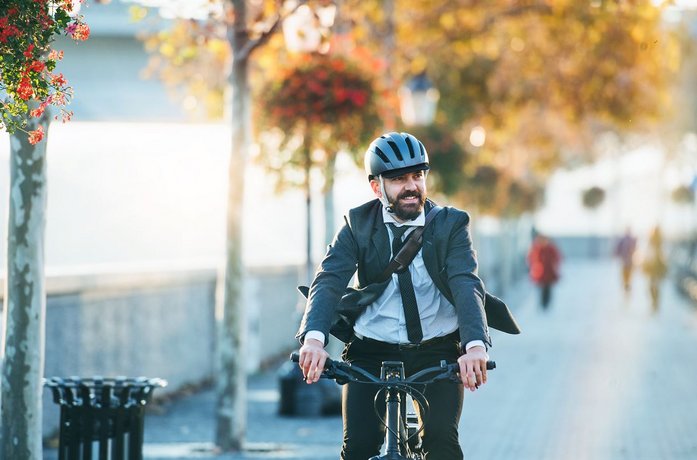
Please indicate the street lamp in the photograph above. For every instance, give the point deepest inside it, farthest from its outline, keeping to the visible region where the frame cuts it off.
(477, 136)
(418, 100)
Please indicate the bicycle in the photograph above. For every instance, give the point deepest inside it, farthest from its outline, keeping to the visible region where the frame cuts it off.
(402, 440)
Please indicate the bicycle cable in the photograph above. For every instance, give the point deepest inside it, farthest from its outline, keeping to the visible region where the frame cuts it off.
(416, 395)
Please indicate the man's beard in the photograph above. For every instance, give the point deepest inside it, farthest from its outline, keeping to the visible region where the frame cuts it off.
(408, 212)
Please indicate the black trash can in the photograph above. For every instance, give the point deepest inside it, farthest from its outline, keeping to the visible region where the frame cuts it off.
(108, 412)
(297, 398)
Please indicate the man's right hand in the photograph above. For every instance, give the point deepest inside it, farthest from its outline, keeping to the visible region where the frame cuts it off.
(312, 359)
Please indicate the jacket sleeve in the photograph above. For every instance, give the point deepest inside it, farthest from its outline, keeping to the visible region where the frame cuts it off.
(329, 284)
(464, 283)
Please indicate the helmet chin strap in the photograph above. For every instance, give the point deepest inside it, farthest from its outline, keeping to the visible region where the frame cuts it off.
(383, 198)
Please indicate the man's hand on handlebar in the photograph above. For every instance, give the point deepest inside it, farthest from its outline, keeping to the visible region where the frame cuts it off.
(473, 367)
(312, 359)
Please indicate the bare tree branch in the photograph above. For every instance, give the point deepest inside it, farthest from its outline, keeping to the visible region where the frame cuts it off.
(253, 44)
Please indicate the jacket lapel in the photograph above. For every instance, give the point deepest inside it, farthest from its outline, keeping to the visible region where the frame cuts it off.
(381, 241)
(428, 252)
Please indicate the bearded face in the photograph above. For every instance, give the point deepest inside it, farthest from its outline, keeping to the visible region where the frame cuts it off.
(407, 194)
(407, 205)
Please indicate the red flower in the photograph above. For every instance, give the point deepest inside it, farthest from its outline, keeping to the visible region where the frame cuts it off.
(36, 135)
(25, 90)
(67, 5)
(80, 32)
(359, 98)
(36, 66)
(58, 80)
(55, 55)
(315, 87)
(341, 94)
(37, 112)
(29, 52)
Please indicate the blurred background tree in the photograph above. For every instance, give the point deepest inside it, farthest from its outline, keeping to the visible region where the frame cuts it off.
(192, 58)
(542, 79)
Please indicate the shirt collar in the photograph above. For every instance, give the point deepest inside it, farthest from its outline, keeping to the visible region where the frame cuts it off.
(388, 218)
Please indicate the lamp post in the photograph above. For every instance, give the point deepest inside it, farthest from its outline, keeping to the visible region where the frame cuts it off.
(418, 100)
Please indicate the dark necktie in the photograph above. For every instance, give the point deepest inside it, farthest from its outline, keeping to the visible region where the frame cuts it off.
(406, 289)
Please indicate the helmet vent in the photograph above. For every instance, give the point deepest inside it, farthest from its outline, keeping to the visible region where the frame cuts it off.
(411, 148)
(382, 156)
(396, 150)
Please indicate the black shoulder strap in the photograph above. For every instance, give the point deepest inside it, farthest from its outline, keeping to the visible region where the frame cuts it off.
(410, 248)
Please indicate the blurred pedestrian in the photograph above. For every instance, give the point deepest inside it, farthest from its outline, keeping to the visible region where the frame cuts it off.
(544, 259)
(655, 266)
(624, 250)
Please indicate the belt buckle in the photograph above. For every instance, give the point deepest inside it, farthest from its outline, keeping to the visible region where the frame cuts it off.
(409, 346)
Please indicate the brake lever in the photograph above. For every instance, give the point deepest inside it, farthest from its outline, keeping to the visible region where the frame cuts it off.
(332, 372)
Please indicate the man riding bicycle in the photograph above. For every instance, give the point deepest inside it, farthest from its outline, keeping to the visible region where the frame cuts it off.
(432, 310)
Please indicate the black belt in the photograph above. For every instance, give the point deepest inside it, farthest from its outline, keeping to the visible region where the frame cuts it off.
(452, 337)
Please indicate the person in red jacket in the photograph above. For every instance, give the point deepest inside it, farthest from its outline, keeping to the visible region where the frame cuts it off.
(544, 259)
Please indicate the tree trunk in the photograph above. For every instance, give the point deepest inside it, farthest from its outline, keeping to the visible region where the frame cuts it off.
(329, 178)
(25, 300)
(307, 150)
(231, 379)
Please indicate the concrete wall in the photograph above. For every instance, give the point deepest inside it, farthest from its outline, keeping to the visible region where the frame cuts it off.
(158, 324)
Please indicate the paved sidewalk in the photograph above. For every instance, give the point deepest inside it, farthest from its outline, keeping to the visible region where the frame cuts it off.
(598, 376)
(186, 428)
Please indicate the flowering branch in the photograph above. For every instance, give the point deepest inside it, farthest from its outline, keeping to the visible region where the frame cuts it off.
(27, 61)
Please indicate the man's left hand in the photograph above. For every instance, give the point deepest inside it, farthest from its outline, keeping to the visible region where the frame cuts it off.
(473, 367)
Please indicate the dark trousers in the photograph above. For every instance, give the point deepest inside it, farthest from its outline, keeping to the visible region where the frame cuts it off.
(364, 433)
(545, 295)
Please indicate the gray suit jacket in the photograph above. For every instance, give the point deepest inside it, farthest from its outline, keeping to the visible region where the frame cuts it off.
(362, 246)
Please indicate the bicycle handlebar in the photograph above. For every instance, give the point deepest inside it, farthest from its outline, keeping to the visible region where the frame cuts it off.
(344, 372)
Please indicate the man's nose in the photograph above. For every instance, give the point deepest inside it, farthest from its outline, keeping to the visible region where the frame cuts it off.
(411, 184)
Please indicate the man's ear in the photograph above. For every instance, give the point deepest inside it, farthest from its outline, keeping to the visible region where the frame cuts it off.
(375, 185)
